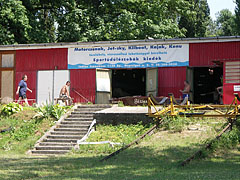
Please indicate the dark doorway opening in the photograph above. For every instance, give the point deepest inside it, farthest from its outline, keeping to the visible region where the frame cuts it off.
(128, 82)
(205, 82)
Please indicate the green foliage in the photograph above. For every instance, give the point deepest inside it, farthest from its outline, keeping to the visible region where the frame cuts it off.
(120, 104)
(237, 16)
(50, 110)
(196, 20)
(23, 134)
(14, 22)
(27, 129)
(58, 111)
(11, 108)
(225, 23)
(229, 139)
(28, 21)
(175, 124)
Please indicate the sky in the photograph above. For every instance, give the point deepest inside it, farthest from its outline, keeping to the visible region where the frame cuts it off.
(218, 5)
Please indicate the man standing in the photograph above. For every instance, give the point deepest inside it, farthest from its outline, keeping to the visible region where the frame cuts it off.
(22, 89)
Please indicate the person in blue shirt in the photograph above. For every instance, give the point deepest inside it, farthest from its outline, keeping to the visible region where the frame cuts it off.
(22, 89)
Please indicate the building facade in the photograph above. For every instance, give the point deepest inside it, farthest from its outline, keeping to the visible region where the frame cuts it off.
(99, 71)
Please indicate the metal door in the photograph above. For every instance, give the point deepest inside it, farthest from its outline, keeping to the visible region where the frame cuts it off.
(44, 87)
(49, 85)
(103, 86)
(7, 84)
(7, 74)
(152, 81)
(190, 79)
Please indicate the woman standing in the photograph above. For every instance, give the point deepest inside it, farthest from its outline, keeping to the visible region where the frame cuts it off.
(22, 89)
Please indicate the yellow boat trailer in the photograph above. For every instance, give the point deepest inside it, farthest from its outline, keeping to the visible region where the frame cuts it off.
(190, 110)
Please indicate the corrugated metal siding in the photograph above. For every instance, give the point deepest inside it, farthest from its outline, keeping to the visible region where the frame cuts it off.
(170, 80)
(31, 83)
(41, 59)
(202, 54)
(228, 93)
(84, 82)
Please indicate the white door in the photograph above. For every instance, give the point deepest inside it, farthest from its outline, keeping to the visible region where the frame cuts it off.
(60, 79)
(103, 84)
(49, 85)
(44, 87)
(152, 81)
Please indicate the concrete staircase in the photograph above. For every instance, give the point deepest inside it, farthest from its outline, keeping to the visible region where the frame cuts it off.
(63, 136)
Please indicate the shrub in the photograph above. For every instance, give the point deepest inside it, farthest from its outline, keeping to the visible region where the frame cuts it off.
(175, 124)
(10, 108)
(50, 110)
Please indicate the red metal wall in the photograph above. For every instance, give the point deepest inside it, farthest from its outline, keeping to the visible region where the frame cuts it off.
(228, 89)
(170, 80)
(202, 54)
(41, 59)
(31, 83)
(30, 61)
(228, 93)
(84, 82)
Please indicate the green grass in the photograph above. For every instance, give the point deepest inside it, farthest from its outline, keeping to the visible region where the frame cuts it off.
(25, 131)
(156, 157)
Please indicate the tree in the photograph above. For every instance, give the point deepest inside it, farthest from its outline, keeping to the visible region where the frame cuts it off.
(14, 24)
(42, 16)
(211, 28)
(196, 24)
(225, 23)
(237, 16)
(103, 20)
(44, 21)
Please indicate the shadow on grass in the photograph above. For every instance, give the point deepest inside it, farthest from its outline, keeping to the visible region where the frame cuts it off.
(134, 163)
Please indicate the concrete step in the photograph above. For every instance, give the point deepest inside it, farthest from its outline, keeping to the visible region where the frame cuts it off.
(60, 140)
(72, 137)
(79, 112)
(68, 133)
(84, 112)
(76, 122)
(53, 147)
(78, 119)
(72, 129)
(74, 126)
(49, 152)
(90, 109)
(56, 144)
(104, 106)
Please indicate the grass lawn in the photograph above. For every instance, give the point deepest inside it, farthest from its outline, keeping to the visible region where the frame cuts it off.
(156, 157)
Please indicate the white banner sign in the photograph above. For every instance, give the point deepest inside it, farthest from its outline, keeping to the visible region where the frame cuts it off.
(236, 87)
(141, 56)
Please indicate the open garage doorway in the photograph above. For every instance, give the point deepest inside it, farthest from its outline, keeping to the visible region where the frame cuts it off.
(128, 82)
(204, 81)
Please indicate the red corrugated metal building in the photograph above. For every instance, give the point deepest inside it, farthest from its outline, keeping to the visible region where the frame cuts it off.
(209, 59)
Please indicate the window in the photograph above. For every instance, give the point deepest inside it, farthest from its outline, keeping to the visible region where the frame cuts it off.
(7, 60)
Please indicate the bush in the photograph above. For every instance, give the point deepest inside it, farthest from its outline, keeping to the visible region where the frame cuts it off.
(228, 140)
(50, 110)
(175, 124)
(10, 108)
